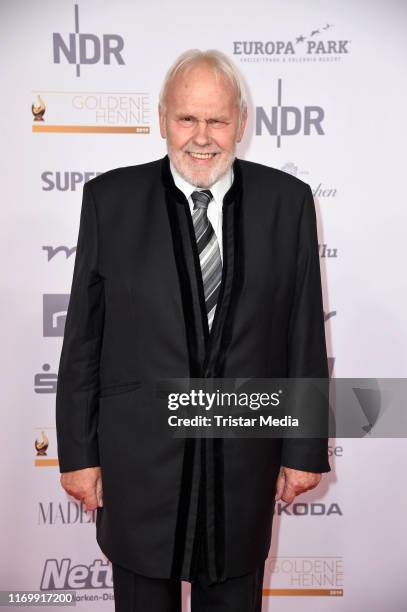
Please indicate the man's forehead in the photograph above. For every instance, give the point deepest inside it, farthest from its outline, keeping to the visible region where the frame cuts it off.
(199, 72)
(201, 82)
(196, 97)
(198, 107)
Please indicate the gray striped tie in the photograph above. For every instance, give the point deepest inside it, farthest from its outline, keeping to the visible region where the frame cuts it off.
(209, 252)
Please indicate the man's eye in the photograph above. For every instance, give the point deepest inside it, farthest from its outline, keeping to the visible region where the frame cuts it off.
(216, 123)
(186, 120)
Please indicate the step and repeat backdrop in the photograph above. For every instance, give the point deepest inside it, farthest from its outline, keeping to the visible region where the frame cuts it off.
(327, 99)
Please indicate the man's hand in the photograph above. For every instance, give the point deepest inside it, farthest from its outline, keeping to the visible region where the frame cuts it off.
(293, 482)
(85, 485)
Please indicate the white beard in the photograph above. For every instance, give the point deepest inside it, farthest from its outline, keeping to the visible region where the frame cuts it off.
(202, 178)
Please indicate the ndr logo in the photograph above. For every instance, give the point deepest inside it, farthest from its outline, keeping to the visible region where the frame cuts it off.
(82, 49)
(289, 120)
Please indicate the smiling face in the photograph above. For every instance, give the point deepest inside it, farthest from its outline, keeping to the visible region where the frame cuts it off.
(201, 124)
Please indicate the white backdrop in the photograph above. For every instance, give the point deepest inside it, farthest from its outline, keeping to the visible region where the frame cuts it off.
(340, 63)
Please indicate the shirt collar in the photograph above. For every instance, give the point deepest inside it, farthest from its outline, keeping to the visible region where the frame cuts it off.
(218, 189)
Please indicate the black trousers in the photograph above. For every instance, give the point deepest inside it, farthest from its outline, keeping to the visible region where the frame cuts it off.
(136, 593)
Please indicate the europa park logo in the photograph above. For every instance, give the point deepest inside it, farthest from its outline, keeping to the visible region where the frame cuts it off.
(317, 44)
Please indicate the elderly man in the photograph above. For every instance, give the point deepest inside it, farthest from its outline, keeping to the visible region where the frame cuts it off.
(195, 265)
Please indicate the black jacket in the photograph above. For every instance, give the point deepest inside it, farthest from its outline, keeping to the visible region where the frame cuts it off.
(136, 314)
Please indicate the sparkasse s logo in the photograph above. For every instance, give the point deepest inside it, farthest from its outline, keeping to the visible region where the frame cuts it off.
(86, 49)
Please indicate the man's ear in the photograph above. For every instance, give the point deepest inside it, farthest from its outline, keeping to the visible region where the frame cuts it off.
(242, 126)
(163, 128)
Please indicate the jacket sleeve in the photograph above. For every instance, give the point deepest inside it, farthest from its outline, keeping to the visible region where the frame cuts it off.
(78, 375)
(307, 356)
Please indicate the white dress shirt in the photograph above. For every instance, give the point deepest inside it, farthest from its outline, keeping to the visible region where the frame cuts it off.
(218, 190)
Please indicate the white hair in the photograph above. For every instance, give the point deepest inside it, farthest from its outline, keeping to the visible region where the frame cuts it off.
(218, 61)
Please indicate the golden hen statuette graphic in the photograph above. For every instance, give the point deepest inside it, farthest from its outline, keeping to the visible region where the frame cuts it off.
(42, 445)
(38, 111)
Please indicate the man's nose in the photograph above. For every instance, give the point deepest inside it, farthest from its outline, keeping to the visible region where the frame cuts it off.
(201, 135)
